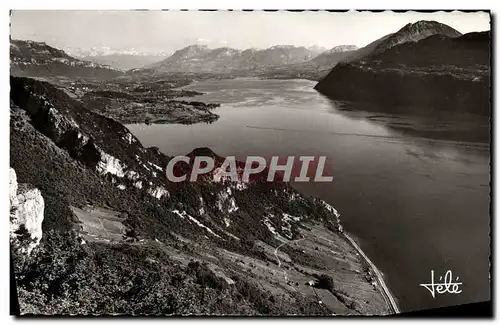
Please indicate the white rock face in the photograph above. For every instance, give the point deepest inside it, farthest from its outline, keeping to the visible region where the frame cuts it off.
(110, 165)
(26, 209)
(158, 192)
(30, 211)
(269, 225)
(83, 139)
(202, 225)
(155, 166)
(232, 206)
(336, 213)
(201, 210)
(183, 215)
(240, 186)
(218, 176)
(13, 188)
(130, 138)
(132, 175)
(224, 199)
(227, 221)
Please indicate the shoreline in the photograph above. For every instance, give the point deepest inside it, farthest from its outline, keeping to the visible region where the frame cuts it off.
(384, 289)
(390, 298)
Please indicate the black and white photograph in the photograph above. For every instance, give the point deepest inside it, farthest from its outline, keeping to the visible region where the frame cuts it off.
(250, 162)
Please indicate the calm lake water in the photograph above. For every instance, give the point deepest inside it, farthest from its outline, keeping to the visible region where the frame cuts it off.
(414, 204)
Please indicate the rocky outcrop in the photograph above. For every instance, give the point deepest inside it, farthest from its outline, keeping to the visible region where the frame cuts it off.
(26, 215)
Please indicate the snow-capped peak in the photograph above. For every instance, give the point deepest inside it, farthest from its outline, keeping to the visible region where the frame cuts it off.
(105, 50)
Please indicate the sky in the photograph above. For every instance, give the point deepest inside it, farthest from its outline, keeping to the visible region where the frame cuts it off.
(167, 31)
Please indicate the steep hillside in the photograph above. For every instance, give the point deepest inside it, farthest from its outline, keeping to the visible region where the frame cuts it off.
(118, 237)
(37, 59)
(468, 52)
(187, 56)
(438, 72)
(412, 32)
(367, 50)
(415, 32)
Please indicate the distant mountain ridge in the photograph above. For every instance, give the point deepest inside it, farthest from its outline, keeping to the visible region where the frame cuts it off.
(412, 32)
(80, 52)
(416, 32)
(29, 58)
(319, 66)
(125, 61)
(334, 55)
(200, 58)
(37, 59)
(341, 48)
(425, 65)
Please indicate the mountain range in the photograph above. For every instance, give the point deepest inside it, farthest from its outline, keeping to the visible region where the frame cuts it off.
(80, 52)
(334, 55)
(200, 58)
(134, 59)
(108, 233)
(125, 61)
(281, 61)
(450, 70)
(28, 58)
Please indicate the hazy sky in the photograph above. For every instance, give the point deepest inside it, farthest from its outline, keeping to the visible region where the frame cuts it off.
(171, 30)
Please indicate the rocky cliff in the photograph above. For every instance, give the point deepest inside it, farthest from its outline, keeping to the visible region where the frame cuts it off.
(26, 215)
(37, 59)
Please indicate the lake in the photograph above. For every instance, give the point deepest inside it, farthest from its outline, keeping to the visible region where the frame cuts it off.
(412, 190)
